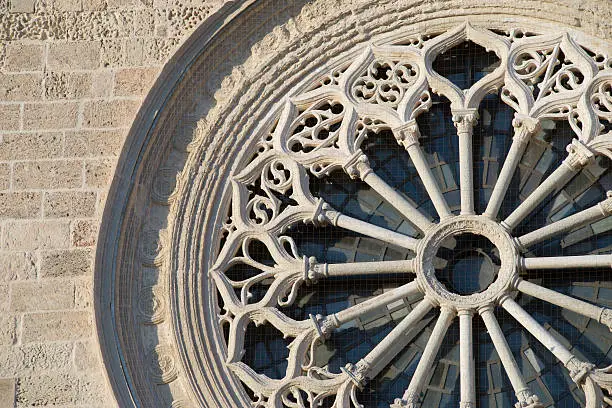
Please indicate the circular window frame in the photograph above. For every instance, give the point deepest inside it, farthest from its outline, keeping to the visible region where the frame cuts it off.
(136, 161)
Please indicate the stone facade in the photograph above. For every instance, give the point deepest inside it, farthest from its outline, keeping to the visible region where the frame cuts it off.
(73, 74)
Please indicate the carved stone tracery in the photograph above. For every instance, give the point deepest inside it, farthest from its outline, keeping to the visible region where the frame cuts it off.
(318, 132)
(322, 130)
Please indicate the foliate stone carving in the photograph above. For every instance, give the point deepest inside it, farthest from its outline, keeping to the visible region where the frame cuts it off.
(163, 365)
(579, 156)
(526, 399)
(357, 372)
(408, 401)
(358, 166)
(153, 247)
(164, 185)
(465, 121)
(579, 370)
(606, 205)
(606, 318)
(152, 305)
(408, 135)
(525, 127)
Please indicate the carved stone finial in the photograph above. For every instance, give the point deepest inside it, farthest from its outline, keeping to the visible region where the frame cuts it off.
(579, 155)
(606, 205)
(527, 400)
(408, 134)
(578, 369)
(313, 271)
(357, 166)
(465, 121)
(525, 127)
(357, 372)
(324, 325)
(606, 318)
(411, 401)
(323, 215)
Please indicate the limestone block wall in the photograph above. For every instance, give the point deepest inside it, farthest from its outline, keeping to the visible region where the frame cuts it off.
(72, 75)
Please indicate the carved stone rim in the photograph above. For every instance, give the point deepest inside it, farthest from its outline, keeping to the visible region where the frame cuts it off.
(452, 227)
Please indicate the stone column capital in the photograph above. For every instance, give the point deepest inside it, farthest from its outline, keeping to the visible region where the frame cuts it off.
(525, 127)
(465, 120)
(358, 166)
(579, 155)
(407, 134)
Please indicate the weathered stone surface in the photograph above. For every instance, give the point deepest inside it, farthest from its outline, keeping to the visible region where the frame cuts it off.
(71, 55)
(83, 294)
(48, 174)
(7, 392)
(56, 115)
(51, 389)
(20, 87)
(10, 117)
(21, 56)
(54, 326)
(22, 6)
(65, 263)
(33, 235)
(84, 233)
(8, 331)
(102, 83)
(94, 143)
(53, 294)
(98, 172)
(18, 266)
(113, 114)
(134, 81)
(70, 204)
(19, 205)
(26, 146)
(5, 176)
(67, 85)
(85, 356)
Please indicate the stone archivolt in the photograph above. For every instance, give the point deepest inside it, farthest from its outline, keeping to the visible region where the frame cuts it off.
(321, 130)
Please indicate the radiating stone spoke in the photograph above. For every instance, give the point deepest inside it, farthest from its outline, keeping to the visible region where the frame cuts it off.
(568, 262)
(369, 366)
(582, 218)
(466, 360)
(412, 395)
(464, 122)
(370, 230)
(336, 320)
(396, 200)
(537, 331)
(408, 136)
(524, 128)
(582, 373)
(600, 314)
(579, 156)
(365, 268)
(521, 389)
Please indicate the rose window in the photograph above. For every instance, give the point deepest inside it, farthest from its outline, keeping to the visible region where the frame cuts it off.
(427, 224)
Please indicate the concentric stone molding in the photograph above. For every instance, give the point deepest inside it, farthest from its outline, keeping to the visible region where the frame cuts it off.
(171, 238)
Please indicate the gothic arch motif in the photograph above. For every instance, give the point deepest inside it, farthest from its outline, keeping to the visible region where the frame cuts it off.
(222, 253)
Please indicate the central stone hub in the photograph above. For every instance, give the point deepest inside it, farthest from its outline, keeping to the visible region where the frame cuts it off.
(466, 262)
(470, 266)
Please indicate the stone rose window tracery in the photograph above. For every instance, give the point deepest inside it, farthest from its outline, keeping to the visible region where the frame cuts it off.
(427, 225)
